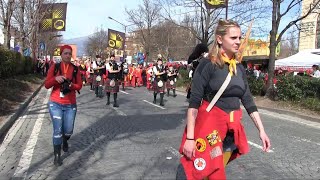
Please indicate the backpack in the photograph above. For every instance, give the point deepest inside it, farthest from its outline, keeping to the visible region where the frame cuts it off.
(57, 68)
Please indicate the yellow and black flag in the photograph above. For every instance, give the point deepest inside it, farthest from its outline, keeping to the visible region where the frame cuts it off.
(116, 39)
(213, 4)
(54, 18)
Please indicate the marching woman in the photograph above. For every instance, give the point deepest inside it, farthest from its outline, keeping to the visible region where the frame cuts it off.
(65, 79)
(112, 83)
(90, 74)
(172, 79)
(124, 73)
(215, 136)
(158, 83)
(149, 72)
(83, 71)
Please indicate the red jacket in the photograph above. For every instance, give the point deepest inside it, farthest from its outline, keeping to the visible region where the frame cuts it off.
(50, 82)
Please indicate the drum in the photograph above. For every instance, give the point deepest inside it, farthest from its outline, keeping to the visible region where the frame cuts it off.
(112, 83)
(171, 82)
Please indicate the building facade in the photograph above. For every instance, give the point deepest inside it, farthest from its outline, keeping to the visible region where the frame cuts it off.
(309, 36)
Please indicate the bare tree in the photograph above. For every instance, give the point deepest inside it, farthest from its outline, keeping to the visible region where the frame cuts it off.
(145, 17)
(201, 21)
(97, 43)
(281, 8)
(7, 8)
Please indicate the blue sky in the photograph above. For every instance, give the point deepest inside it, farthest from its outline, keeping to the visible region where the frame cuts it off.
(84, 16)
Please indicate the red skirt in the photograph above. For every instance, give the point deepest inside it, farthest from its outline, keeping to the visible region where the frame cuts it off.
(210, 131)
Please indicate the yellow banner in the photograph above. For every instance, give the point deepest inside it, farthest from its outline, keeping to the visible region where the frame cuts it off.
(213, 4)
(54, 18)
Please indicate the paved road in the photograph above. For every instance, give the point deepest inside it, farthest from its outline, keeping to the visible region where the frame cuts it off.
(140, 141)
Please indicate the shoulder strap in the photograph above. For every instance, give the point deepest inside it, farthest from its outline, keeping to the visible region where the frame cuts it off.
(219, 93)
(57, 68)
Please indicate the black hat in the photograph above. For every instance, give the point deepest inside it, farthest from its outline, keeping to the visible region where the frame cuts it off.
(159, 59)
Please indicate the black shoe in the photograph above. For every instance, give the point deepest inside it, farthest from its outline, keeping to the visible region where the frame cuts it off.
(108, 103)
(57, 155)
(115, 105)
(154, 101)
(65, 145)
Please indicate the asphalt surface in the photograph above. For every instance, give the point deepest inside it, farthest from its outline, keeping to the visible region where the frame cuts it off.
(140, 141)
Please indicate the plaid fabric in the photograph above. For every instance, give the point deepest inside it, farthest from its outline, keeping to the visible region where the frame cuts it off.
(90, 78)
(95, 83)
(110, 89)
(158, 89)
(169, 86)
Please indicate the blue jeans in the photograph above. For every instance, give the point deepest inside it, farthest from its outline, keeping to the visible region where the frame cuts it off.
(63, 117)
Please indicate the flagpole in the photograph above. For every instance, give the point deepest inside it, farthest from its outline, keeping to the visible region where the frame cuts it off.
(226, 9)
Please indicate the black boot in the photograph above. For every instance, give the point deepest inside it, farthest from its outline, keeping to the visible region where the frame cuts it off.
(65, 145)
(168, 92)
(115, 104)
(174, 93)
(108, 98)
(123, 87)
(154, 98)
(161, 99)
(57, 155)
(96, 91)
(91, 87)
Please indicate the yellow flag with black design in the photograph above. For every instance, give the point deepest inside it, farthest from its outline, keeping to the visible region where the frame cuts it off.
(54, 18)
(116, 39)
(213, 4)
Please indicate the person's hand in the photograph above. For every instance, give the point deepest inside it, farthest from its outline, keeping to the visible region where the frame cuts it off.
(265, 141)
(189, 148)
(60, 79)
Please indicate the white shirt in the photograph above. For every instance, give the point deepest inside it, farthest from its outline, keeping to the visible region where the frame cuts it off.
(316, 74)
(155, 70)
(108, 67)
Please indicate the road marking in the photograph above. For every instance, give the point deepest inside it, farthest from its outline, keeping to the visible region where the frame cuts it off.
(119, 111)
(153, 104)
(25, 160)
(174, 151)
(124, 92)
(258, 146)
(304, 140)
(11, 133)
(290, 118)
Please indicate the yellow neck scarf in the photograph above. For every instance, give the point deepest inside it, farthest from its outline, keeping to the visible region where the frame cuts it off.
(232, 64)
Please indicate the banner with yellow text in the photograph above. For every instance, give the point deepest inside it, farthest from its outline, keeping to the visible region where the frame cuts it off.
(116, 39)
(54, 18)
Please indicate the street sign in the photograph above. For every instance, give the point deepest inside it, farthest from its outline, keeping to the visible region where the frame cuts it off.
(26, 52)
(42, 46)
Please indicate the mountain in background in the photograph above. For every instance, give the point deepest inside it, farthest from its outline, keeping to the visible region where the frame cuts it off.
(80, 42)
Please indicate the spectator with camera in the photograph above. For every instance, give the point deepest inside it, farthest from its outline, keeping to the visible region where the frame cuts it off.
(65, 79)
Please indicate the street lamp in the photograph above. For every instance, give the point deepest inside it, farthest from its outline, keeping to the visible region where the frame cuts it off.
(125, 32)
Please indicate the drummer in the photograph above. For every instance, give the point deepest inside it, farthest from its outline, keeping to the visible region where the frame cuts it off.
(99, 69)
(158, 85)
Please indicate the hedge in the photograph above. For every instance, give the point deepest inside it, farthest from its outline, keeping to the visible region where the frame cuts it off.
(13, 63)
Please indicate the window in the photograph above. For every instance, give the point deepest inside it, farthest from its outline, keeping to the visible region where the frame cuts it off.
(318, 33)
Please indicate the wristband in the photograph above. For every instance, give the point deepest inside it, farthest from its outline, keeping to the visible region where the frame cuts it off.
(192, 139)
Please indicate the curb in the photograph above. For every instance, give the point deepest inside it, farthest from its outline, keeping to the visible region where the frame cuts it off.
(280, 111)
(8, 122)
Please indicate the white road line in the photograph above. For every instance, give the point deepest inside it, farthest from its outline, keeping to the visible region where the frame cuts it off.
(124, 92)
(174, 151)
(304, 140)
(119, 111)
(153, 104)
(290, 118)
(11, 133)
(25, 160)
(258, 146)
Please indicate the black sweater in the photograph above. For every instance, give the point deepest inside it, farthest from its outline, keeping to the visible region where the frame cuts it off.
(208, 79)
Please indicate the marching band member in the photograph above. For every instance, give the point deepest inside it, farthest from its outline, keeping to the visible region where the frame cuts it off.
(172, 79)
(90, 73)
(139, 75)
(124, 73)
(149, 76)
(158, 85)
(83, 71)
(112, 83)
(99, 70)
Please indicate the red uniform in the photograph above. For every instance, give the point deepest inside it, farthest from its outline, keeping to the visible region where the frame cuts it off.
(149, 76)
(210, 131)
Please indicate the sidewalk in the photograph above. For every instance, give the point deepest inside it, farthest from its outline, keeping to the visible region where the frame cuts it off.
(6, 124)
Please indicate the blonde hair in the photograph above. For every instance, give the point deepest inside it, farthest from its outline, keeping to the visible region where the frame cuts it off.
(221, 30)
